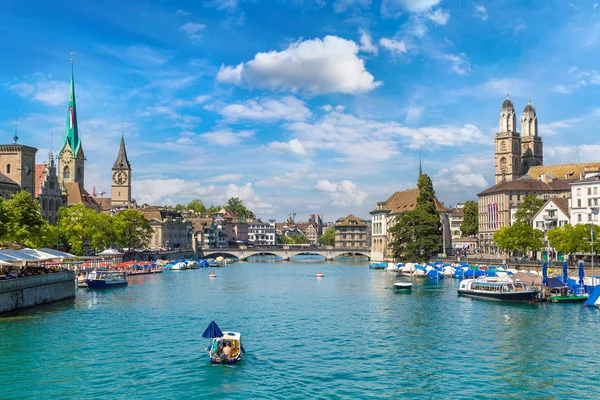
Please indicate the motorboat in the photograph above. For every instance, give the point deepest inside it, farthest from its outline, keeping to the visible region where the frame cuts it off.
(106, 279)
(178, 266)
(498, 290)
(192, 264)
(563, 294)
(226, 348)
(402, 286)
(378, 265)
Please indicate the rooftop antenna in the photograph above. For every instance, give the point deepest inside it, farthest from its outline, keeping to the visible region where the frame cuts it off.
(16, 138)
(577, 155)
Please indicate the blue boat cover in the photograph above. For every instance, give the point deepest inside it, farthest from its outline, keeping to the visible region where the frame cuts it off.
(581, 273)
(213, 331)
(554, 283)
(565, 273)
(591, 301)
(545, 273)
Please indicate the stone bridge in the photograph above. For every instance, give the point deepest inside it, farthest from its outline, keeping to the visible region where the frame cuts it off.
(285, 253)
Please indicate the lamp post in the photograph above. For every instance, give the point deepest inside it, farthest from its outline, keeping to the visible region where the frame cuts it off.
(594, 211)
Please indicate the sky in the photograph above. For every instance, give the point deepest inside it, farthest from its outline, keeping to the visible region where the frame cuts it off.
(305, 106)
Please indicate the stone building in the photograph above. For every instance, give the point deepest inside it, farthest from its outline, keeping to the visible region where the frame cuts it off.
(262, 233)
(456, 219)
(121, 179)
(8, 187)
(17, 162)
(351, 232)
(48, 190)
(170, 228)
(204, 231)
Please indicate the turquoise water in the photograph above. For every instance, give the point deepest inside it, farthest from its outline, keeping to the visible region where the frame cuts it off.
(345, 336)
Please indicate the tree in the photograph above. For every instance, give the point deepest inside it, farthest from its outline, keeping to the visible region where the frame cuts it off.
(569, 239)
(521, 236)
(528, 208)
(131, 229)
(328, 238)
(470, 225)
(417, 234)
(196, 206)
(3, 219)
(213, 209)
(236, 206)
(24, 222)
(78, 226)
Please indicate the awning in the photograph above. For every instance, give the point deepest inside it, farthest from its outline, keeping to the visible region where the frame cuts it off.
(58, 254)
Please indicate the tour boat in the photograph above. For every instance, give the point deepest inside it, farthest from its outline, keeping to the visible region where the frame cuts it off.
(498, 290)
(106, 279)
(402, 287)
(215, 350)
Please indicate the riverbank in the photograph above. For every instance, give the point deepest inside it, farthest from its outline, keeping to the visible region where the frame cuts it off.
(30, 291)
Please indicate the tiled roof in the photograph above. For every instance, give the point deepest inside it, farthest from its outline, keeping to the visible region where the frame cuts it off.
(458, 212)
(562, 171)
(40, 176)
(562, 204)
(523, 184)
(104, 202)
(351, 220)
(6, 180)
(562, 184)
(152, 212)
(407, 201)
(76, 194)
(199, 224)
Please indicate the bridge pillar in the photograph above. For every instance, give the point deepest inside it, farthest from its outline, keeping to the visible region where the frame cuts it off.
(330, 258)
(286, 259)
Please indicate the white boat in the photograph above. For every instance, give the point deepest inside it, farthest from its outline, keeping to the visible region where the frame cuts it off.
(230, 339)
(402, 286)
(498, 289)
(106, 279)
(179, 266)
(192, 264)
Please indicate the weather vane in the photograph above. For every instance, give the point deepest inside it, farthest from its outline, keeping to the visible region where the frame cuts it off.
(507, 95)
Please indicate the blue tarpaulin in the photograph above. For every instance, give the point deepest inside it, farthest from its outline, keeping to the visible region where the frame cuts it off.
(581, 273)
(565, 273)
(213, 331)
(545, 273)
(591, 301)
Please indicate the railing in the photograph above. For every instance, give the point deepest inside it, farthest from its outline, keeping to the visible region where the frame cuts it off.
(286, 247)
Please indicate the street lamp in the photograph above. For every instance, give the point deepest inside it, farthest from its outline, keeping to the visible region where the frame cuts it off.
(594, 211)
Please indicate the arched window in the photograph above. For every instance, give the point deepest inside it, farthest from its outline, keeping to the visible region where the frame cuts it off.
(503, 164)
(50, 204)
(66, 173)
(8, 168)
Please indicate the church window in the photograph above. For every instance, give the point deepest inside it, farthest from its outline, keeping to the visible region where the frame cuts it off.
(8, 168)
(66, 173)
(503, 164)
(503, 146)
(50, 203)
(44, 205)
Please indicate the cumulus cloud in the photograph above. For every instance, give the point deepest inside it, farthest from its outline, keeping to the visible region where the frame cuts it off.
(395, 46)
(225, 178)
(480, 12)
(293, 146)
(366, 43)
(317, 66)
(464, 175)
(193, 30)
(343, 193)
(226, 137)
(52, 93)
(268, 109)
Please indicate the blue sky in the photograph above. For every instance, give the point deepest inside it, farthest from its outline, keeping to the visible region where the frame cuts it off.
(313, 106)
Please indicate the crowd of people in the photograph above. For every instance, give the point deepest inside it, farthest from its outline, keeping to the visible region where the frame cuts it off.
(14, 273)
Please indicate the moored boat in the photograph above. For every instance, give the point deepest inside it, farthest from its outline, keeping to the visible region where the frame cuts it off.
(402, 286)
(568, 299)
(106, 279)
(498, 290)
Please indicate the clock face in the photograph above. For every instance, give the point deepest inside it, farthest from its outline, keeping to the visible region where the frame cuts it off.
(67, 157)
(120, 177)
(27, 169)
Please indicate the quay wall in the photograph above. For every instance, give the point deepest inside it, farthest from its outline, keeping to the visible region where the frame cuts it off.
(31, 291)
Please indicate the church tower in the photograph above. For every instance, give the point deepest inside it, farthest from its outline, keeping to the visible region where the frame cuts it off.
(508, 145)
(121, 179)
(72, 159)
(532, 147)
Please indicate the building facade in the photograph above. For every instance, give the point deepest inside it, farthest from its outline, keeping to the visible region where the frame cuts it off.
(456, 219)
(170, 229)
(351, 232)
(48, 190)
(121, 179)
(8, 187)
(585, 198)
(262, 233)
(17, 162)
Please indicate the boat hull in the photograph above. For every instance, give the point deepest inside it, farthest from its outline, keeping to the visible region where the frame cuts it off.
(567, 299)
(100, 284)
(231, 361)
(522, 296)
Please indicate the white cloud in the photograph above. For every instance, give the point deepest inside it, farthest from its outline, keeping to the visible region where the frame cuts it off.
(463, 175)
(366, 43)
(193, 30)
(287, 179)
(497, 87)
(154, 191)
(266, 109)
(439, 16)
(225, 178)
(395, 46)
(481, 12)
(52, 93)
(231, 74)
(227, 5)
(293, 146)
(459, 63)
(342, 194)
(570, 154)
(251, 200)
(226, 137)
(330, 65)
(393, 7)
(552, 128)
(413, 114)
(182, 12)
(327, 107)
(139, 55)
(343, 5)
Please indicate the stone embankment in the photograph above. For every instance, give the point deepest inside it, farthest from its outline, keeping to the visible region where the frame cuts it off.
(35, 290)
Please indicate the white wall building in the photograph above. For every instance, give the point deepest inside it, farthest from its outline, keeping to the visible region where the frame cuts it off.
(585, 197)
(553, 214)
(262, 233)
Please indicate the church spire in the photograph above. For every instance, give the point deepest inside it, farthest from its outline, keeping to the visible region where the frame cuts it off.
(420, 166)
(122, 162)
(72, 134)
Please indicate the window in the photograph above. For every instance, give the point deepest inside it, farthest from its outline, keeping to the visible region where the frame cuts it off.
(8, 168)
(579, 205)
(578, 191)
(589, 191)
(595, 189)
(66, 173)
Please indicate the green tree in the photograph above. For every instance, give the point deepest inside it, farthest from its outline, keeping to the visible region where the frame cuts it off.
(131, 229)
(24, 222)
(284, 239)
(3, 219)
(77, 227)
(528, 208)
(570, 239)
(521, 236)
(213, 209)
(236, 206)
(196, 206)
(470, 225)
(328, 238)
(417, 234)
(299, 239)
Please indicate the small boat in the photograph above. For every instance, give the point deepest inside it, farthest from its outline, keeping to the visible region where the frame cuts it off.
(212, 263)
(106, 279)
(212, 275)
(402, 286)
(497, 290)
(226, 348)
(181, 265)
(378, 265)
(320, 275)
(568, 299)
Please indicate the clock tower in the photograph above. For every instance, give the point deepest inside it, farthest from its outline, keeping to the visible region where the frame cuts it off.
(121, 179)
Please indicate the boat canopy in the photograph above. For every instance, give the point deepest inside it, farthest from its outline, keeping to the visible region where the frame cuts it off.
(212, 331)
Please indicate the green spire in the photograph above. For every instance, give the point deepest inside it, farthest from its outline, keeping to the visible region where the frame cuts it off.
(72, 134)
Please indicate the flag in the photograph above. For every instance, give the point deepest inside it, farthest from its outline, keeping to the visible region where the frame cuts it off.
(71, 117)
(489, 216)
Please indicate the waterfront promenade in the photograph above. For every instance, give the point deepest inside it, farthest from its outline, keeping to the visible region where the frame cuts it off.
(346, 335)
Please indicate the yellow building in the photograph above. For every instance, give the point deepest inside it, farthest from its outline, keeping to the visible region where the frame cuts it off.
(351, 232)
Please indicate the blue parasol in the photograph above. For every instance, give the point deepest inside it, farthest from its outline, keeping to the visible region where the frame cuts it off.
(581, 274)
(565, 273)
(212, 331)
(545, 273)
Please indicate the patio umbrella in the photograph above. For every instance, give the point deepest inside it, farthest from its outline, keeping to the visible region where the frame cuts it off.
(565, 273)
(545, 273)
(212, 331)
(581, 274)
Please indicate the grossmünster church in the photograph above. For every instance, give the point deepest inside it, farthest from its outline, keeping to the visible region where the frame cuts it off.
(71, 168)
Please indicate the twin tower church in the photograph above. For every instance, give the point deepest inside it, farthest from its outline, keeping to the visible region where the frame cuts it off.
(61, 183)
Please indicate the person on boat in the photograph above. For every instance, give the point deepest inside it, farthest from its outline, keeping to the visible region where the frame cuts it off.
(226, 351)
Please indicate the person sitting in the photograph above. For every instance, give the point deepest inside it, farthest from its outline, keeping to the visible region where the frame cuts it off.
(226, 351)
